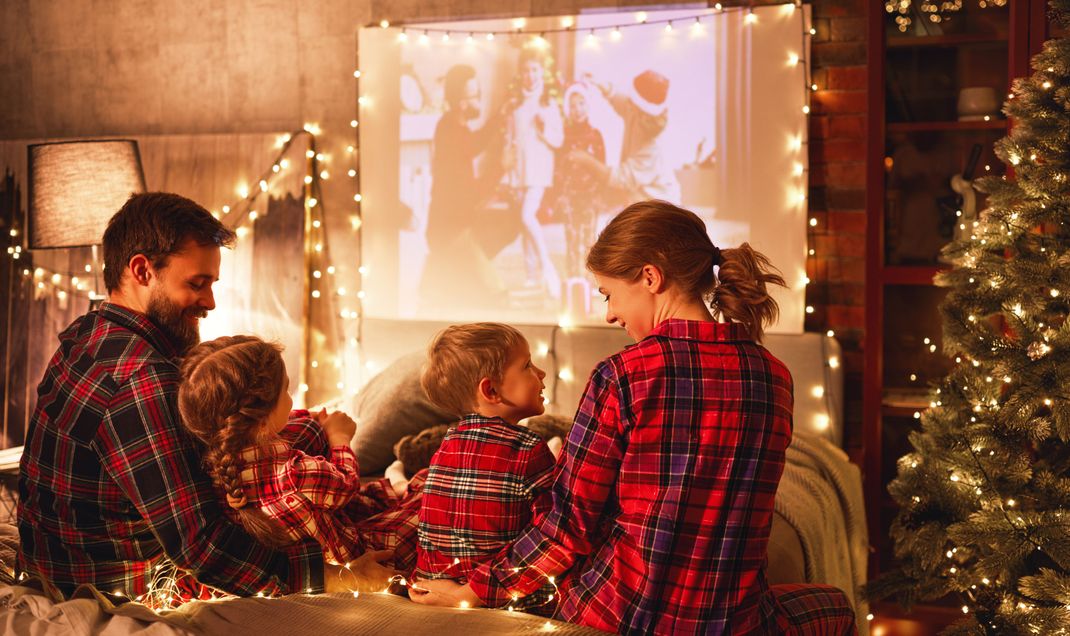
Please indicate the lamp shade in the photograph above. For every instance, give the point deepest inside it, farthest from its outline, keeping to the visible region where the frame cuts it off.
(76, 186)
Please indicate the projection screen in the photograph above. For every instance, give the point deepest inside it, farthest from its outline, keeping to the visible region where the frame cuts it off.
(490, 162)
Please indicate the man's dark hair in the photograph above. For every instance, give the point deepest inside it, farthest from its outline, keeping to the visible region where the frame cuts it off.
(456, 81)
(156, 224)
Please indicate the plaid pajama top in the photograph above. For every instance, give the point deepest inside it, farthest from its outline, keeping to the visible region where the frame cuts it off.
(486, 483)
(111, 483)
(306, 494)
(663, 498)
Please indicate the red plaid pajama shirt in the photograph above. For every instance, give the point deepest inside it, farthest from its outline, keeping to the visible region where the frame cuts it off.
(111, 484)
(319, 496)
(663, 498)
(486, 483)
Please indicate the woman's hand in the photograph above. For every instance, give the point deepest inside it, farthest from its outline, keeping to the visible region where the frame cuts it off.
(339, 428)
(443, 593)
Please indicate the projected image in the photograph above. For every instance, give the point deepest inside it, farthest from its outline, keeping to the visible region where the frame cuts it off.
(491, 163)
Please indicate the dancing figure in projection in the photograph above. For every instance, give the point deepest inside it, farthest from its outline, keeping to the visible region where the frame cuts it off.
(457, 194)
(643, 172)
(533, 132)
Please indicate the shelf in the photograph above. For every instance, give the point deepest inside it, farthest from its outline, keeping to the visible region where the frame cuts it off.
(943, 126)
(910, 274)
(926, 619)
(897, 410)
(946, 40)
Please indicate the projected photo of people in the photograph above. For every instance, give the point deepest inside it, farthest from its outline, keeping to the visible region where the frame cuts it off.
(513, 151)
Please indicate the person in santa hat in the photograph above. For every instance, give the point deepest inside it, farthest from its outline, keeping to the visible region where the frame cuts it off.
(642, 172)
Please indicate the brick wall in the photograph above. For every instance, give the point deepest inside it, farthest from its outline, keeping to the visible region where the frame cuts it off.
(838, 191)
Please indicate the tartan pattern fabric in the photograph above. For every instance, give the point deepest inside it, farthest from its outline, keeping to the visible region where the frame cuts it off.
(663, 497)
(397, 526)
(813, 610)
(306, 494)
(319, 498)
(487, 482)
(110, 482)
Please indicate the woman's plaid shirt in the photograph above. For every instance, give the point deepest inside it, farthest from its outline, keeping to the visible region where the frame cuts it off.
(111, 483)
(486, 483)
(663, 499)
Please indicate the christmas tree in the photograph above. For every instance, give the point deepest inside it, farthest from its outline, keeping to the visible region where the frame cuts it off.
(985, 496)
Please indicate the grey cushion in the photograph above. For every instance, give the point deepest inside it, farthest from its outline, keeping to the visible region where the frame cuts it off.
(391, 406)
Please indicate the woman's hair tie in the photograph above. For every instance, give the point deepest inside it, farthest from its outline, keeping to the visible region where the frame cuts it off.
(717, 261)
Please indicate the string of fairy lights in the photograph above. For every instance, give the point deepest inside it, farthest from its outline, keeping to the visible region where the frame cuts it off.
(242, 214)
(321, 282)
(694, 24)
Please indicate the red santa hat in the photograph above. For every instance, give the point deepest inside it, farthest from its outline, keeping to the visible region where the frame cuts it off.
(651, 89)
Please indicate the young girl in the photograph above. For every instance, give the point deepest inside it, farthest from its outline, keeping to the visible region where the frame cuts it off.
(533, 132)
(234, 397)
(663, 498)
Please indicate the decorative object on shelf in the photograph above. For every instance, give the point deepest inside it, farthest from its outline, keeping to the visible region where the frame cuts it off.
(959, 211)
(983, 508)
(977, 102)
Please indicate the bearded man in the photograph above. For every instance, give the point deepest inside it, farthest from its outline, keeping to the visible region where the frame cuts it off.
(110, 483)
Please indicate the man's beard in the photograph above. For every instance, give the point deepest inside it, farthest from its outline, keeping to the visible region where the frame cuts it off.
(175, 321)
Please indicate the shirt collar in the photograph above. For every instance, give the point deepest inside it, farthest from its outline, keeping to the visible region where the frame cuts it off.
(475, 419)
(252, 454)
(705, 331)
(140, 324)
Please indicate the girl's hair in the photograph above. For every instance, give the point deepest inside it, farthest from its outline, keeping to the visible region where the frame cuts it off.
(675, 241)
(550, 88)
(229, 387)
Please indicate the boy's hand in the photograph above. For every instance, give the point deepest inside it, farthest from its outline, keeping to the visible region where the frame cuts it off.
(555, 444)
(395, 473)
(443, 593)
(339, 428)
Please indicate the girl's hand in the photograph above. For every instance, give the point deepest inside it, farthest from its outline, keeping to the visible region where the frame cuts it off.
(443, 593)
(339, 428)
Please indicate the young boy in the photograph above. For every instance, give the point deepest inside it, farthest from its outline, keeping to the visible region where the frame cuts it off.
(490, 477)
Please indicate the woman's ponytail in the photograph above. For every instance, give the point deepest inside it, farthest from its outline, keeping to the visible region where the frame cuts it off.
(741, 293)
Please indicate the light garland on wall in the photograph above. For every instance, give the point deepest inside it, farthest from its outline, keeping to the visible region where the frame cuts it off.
(408, 34)
(239, 215)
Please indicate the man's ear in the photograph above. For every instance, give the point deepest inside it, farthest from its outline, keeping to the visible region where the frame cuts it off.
(140, 269)
(488, 391)
(652, 279)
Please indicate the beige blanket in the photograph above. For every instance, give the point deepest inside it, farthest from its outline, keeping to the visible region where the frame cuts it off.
(820, 495)
(27, 611)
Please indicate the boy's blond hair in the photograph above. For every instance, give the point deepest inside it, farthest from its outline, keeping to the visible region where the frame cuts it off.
(462, 355)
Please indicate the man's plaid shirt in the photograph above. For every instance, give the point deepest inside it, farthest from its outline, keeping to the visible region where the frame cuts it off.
(486, 483)
(110, 482)
(663, 498)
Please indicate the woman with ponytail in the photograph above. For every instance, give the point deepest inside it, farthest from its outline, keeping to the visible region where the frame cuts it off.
(234, 397)
(663, 496)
